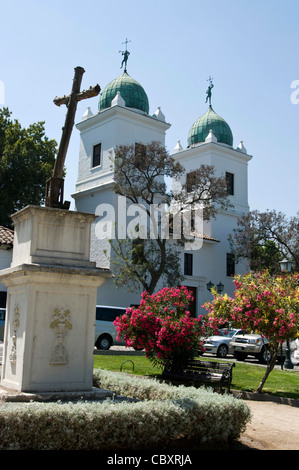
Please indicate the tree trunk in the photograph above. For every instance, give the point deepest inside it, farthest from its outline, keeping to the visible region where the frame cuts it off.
(270, 367)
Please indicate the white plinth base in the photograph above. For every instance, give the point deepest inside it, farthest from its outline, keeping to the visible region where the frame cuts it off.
(51, 302)
(8, 395)
(49, 334)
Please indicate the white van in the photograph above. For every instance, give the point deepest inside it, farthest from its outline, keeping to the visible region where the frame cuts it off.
(105, 331)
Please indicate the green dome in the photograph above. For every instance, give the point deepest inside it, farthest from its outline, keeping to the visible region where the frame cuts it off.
(210, 120)
(130, 90)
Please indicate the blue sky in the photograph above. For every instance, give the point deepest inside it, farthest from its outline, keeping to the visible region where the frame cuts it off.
(250, 48)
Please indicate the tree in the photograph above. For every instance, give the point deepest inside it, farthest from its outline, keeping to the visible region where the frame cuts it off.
(27, 159)
(264, 238)
(263, 304)
(142, 263)
(140, 173)
(162, 325)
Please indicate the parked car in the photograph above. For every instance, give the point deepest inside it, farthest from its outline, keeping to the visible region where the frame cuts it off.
(105, 331)
(2, 322)
(295, 352)
(220, 344)
(254, 345)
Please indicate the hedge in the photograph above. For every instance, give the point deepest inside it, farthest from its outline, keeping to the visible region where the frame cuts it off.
(164, 415)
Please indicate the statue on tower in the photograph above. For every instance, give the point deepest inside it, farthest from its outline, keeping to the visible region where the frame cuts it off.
(209, 91)
(126, 54)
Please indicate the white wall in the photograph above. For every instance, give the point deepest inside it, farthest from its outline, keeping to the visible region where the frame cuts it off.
(112, 127)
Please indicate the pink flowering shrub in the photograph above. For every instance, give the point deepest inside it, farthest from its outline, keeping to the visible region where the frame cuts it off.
(263, 304)
(163, 326)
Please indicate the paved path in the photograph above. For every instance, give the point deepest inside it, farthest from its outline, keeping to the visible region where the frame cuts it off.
(273, 427)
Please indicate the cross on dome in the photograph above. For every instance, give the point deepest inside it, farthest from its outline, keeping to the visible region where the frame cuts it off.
(209, 90)
(126, 54)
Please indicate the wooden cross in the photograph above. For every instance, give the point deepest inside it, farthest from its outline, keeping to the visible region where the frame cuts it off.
(54, 185)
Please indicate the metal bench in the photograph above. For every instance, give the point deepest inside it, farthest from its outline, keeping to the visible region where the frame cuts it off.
(215, 374)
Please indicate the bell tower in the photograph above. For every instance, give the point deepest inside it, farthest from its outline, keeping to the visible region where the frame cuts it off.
(122, 119)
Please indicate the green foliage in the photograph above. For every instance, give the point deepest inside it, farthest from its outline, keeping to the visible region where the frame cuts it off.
(265, 238)
(27, 159)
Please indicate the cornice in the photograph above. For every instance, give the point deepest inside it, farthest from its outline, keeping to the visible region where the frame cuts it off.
(114, 112)
(206, 148)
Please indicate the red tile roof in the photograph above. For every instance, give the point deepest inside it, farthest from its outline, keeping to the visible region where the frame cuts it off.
(6, 236)
(192, 233)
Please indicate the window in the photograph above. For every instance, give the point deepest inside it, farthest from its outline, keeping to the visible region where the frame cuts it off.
(108, 313)
(140, 154)
(3, 296)
(230, 264)
(2, 314)
(96, 156)
(193, 214)
(190, 182)
(140, 149)
(230, 183)
(188, 264)
(192, 303)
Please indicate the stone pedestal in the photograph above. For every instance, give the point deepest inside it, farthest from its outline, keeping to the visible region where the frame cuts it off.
(52, 290)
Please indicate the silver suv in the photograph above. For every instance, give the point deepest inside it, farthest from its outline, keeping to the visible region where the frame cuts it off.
(105, 331)
(253, 345)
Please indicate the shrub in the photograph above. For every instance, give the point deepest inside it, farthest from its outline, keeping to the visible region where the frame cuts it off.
(175, 413)
(162, 326)
(263, 304)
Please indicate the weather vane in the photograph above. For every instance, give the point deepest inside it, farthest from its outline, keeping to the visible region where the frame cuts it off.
(126, 54)
(209, 90)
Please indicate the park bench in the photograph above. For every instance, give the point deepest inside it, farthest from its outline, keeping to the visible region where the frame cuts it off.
(197, 372)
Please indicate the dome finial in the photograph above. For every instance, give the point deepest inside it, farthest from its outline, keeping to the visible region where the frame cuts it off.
(126, 54)
(209, 90)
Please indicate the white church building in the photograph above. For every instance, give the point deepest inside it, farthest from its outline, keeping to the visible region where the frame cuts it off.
(123, 118)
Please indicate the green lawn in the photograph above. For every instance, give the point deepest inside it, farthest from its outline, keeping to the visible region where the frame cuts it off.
(283, 383)
(141, 365)
(245, 376)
